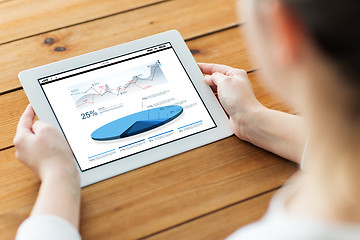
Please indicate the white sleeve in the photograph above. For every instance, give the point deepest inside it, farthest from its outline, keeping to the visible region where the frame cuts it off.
(47, 227)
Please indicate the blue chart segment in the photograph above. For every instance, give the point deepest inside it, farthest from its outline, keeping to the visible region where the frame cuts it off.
(137, 123)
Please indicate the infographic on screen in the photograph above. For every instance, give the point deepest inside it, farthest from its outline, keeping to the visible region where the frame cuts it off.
(116, 108)
(104, 89)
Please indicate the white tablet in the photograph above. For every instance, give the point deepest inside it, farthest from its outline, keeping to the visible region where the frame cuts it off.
(127, 106)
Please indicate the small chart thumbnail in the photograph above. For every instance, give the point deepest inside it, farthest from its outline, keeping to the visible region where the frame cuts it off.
(107, 88)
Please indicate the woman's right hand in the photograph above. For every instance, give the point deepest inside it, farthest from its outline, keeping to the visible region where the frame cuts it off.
(235, 94)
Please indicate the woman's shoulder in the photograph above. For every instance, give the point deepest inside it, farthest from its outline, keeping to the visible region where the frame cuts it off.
(278, 224)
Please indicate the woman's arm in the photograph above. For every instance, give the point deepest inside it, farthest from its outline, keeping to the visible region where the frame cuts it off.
(278, 132)
(281, 133)
(42, 148)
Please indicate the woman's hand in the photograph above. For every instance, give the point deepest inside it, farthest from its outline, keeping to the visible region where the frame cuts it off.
(235, 94)
(42, 148)
(275, 131)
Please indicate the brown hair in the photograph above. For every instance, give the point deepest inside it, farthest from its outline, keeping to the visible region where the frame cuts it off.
(334, 26)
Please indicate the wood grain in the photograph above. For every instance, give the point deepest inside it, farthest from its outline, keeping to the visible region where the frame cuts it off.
(110, 31)
(22, 18)
(226, 47)
(206, 49)
(18, 192)
(200, 194)
(157, 196)
(220, 224)
(12, 105)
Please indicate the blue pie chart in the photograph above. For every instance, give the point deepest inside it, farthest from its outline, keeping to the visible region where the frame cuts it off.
(137, 123)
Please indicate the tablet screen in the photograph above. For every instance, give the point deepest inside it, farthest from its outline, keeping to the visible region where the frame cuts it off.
(121, 106)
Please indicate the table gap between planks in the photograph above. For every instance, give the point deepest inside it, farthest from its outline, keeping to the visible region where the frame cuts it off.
(206, 193)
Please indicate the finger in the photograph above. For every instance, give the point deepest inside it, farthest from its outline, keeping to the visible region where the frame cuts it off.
(38, 125)
(215, 79)
(209, 80)
(26, 120)
(24, 126)
(218, 78)
(211, 68)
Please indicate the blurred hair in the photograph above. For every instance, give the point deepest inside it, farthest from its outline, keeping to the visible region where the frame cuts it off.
(334, 26)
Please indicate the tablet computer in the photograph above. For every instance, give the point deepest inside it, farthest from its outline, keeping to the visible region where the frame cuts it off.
(127, 106)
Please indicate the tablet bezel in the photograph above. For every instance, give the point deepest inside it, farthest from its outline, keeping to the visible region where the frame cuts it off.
(29, 80)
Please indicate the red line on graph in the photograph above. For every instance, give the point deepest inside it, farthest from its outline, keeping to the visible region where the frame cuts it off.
(142, 87)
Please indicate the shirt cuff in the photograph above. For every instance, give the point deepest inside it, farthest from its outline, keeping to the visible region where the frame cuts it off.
(47, 227)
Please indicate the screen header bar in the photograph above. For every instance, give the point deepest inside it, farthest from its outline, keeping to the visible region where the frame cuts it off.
(104, 63)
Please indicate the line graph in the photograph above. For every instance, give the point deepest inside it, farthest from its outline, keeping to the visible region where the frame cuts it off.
(127, 82)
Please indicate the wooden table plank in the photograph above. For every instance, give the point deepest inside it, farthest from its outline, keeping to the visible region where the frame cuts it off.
(23, 18)
(225, 47)
(220, 224)
(165, 194)
(14, 103)
(206, 49)
(229, 48)
(18, 192)
(155, 197)
(110, 31)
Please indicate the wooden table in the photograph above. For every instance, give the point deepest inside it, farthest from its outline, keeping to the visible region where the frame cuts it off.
(206, 193)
